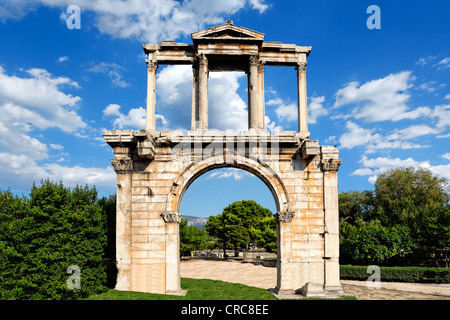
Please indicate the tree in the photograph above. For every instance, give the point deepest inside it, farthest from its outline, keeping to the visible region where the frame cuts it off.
(46, 234)
(405, 195)
(193, 238)
(408, 210)
(415, 198)
(372, 243)
(243, 223)
(355, 205)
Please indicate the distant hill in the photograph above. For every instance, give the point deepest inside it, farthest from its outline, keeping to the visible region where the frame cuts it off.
(196, 221)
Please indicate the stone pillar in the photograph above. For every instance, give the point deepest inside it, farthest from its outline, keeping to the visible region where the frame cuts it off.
(195, 112)
(203, 73)
(261, 103)
(123, 168)
(173, 285)
(302, 101)
(330, 166)
(152, 66)
(253, 93)
(285, 268)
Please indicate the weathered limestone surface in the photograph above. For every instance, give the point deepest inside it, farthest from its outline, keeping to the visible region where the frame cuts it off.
(301, 176)
(154, 169)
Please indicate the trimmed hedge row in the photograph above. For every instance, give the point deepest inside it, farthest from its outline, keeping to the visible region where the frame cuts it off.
(398, 274)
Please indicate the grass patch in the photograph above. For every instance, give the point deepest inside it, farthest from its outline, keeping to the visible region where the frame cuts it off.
(198, 289)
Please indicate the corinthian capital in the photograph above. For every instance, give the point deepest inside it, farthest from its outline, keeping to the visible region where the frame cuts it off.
(301, 66)
(202, 60)
(284, 217)
(171, 217)
(254, 60)
(331, 164)
(151, 65)
(122, 165)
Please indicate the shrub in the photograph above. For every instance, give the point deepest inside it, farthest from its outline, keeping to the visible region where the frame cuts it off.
(45, 234)
(375, 244)
(398, 274)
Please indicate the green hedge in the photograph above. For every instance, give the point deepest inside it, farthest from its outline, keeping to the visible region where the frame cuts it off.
(41, 236)
(398, 274)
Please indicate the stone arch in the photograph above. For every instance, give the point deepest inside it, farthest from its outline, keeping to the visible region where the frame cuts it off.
(254, 166)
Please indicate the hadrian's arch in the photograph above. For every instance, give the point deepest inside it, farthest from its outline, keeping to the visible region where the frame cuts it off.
(155, 168)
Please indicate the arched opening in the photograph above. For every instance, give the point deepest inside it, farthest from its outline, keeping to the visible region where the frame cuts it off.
(207, 195)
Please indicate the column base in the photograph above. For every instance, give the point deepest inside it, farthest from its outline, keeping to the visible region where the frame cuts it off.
(180, 293)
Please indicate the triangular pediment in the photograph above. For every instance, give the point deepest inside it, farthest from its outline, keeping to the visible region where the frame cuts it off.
(228, 31)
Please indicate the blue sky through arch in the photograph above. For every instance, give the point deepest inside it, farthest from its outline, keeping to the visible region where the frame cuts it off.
(210, 193)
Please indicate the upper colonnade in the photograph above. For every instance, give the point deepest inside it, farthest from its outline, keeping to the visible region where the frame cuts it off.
(228, 48)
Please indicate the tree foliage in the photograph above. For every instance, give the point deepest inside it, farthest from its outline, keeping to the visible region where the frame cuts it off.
(243, 223)
(408, 209)
(40, 237)
(193, 238)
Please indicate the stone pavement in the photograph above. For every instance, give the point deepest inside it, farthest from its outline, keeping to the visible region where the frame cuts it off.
(263, 277)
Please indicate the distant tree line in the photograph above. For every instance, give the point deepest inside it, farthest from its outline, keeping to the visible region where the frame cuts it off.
(407, 211)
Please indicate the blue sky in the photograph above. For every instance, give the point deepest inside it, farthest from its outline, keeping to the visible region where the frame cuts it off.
(381, 95)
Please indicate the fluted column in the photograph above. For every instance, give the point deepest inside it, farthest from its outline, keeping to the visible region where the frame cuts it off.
(203, 91)
(302, 101)
(152, 66)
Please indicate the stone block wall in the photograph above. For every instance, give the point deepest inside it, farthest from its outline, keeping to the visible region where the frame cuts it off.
(153, 172)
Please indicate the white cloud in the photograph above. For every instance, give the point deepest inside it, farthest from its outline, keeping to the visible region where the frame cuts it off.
(38, 102)
(40, 91)
(284, 111)
(398, 139)
(443, 64)
(356, 136)
(316, 109)
(112, 70)
(446, 156)
(15, 9)
(227, 110)
(259, 5)
(424, 61)
(272, 126)
(35, 102)
(145, 20)
(380, 100)
(236, 174)
(63, 59)
(174, 83)
(428, 86)
(135, 119)
(24, 167)
(447, 96)
(442, 113)
(376, 166)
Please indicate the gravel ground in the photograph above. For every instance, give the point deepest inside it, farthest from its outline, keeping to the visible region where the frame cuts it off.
(265, 278)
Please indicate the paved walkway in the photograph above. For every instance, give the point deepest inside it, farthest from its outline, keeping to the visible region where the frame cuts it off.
(265, 278)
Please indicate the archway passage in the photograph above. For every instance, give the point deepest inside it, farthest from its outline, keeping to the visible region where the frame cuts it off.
(216, 198)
